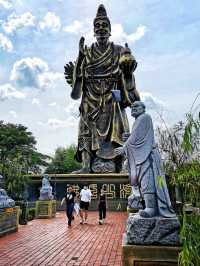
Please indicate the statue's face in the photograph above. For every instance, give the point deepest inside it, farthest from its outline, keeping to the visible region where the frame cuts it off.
(101, 30)
(137, 109)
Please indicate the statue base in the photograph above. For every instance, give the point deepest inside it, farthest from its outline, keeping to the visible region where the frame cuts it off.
(9, 220)
(101, 166)
(115, 185)
(142, 255)
(45, 209)
(152, 231)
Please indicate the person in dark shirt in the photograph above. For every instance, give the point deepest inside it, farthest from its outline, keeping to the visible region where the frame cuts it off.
(69, 200)
(102, 207)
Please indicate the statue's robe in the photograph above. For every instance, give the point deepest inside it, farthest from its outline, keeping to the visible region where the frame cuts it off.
(144, 164)
(102, 120)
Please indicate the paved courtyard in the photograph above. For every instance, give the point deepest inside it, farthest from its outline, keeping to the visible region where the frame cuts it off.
(51, 242)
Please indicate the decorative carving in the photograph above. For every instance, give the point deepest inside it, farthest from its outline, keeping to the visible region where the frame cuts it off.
(103, 166)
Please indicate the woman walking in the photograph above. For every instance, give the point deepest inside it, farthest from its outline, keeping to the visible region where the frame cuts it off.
(102, 207)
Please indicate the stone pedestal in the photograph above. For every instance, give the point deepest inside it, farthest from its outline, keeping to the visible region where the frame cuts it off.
(9, 220)
(142, 255)
(152, 231)
(45, 208)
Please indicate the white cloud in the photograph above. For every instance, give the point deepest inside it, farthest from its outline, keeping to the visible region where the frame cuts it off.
(84, 28)
(76, 27)
(16, 22)
(51, 22)
(119, 35)
(56, 123)
(25, 72)
(13, 114)
(36, 101)
(34, 73)
(5, 43)
(6, 4)
(151, 102)
(7, 91)
(47, 79)
(52, 104)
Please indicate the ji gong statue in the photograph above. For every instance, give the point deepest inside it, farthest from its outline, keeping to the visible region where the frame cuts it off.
(103, 78)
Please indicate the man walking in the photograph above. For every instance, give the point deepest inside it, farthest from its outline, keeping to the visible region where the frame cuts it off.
(85, 199)
(69, 200)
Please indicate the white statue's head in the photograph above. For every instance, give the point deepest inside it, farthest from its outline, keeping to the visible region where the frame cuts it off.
(137, 108)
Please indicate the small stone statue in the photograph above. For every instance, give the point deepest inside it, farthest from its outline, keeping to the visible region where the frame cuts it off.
(46, 189)
(5, 201)
(144, 165)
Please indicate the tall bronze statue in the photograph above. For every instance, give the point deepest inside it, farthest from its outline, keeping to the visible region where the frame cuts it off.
(102, 77)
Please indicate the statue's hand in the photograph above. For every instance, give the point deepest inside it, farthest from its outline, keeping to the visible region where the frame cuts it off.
(125, 136)
(81, 46)
(119, 151)
(127, 62)
(69, 68)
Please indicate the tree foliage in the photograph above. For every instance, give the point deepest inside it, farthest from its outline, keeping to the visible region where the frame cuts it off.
(63, 161)
(180, 147)
(18, 156)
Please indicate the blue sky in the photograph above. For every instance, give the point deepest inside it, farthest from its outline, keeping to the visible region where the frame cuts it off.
(38, 37)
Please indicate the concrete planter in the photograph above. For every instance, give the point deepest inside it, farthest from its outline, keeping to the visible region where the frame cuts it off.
(9, 220)
(45, 208)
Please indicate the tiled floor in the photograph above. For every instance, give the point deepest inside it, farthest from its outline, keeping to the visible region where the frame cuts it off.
(51, 242)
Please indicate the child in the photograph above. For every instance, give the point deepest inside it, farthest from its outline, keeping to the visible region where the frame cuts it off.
(102, 207)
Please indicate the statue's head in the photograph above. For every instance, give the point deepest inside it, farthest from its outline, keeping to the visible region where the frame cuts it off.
(46, 176)
(137, 108)
(3, 192)
(102, 26)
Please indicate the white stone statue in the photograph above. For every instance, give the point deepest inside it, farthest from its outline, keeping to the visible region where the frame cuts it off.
(46, 189)
(5, 201)
(144, 165)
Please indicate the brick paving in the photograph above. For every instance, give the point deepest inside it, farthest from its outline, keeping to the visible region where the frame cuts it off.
(50, 242)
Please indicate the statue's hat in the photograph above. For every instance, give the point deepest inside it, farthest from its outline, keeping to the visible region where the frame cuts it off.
(102, 14)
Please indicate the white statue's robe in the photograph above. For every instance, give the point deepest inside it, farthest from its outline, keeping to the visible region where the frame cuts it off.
(144, 164)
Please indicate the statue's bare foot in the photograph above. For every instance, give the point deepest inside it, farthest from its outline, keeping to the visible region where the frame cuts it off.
(83, 170)
(147, 212)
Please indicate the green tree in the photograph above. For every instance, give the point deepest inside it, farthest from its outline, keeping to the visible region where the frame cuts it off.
(18, 157)
(180, 147)
(63, 161)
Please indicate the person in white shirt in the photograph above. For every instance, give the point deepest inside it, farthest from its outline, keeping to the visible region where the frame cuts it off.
(85, 199)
